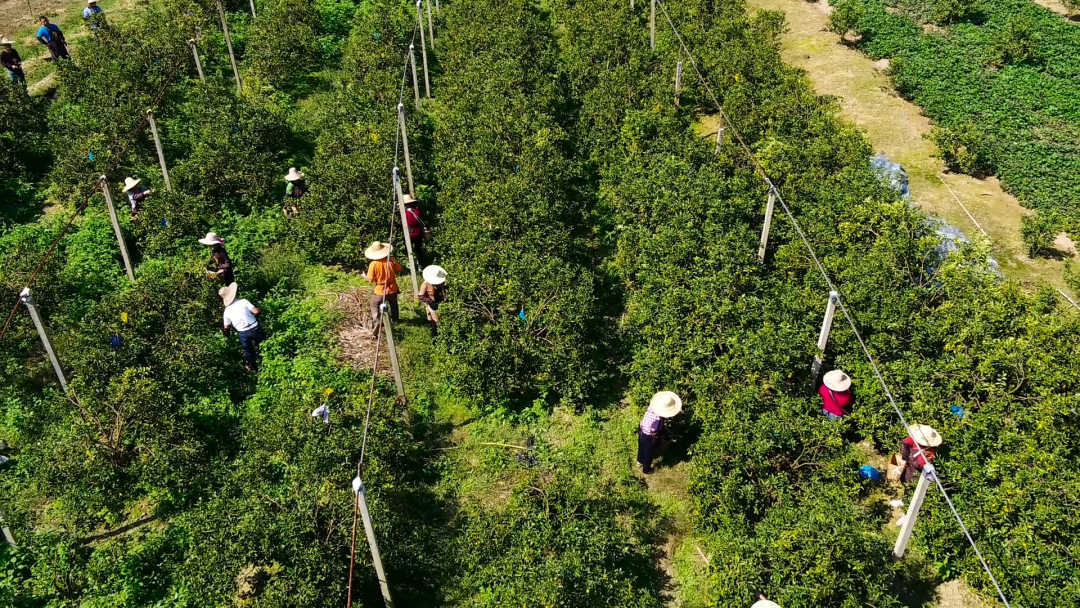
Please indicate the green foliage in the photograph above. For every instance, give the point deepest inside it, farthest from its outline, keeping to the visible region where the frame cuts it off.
(944, 12)
(511, 231)
(1071, 275)
(964, 148)
(1038, 231)
(1017, 42)
(845, 18)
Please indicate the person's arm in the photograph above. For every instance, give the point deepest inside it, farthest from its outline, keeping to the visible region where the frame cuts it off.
(59, 34)
(225, 327)
(251, 308)
(427, 293)
(366, 275)
(396, 267)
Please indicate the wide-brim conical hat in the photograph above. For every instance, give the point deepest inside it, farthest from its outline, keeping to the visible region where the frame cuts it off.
(924, 435)
(665, 404)
(837, 380)
(228, 294)
(435, 275)
(130, 182)
(378, 251)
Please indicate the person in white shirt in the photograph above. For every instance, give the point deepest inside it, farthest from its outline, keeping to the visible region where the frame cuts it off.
(240, 315)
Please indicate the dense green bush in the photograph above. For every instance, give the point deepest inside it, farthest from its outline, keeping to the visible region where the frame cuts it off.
(1038, 231)
(524, 322)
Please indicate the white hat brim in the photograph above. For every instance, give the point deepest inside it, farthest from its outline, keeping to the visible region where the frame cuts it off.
(431, 275)
(665, 404)
(228, 294)
(837, 380)
(378, 251)
(128, 186)
(925, 435)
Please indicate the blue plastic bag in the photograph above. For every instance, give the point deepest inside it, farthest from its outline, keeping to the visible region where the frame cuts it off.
(868, 472)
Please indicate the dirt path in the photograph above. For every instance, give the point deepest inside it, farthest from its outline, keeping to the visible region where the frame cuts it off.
(1054, 5)
(896, 128)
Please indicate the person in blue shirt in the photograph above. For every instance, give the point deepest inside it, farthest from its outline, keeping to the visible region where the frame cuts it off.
(51, 36)
(88, 14)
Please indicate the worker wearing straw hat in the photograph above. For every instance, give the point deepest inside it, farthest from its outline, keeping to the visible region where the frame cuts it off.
(382, 272)
(136, 194)
(219, 263)
(662, 406)
(89, 13)
(294, 190)
(433, 293)
(415, 223)
(836, 394)
(764, 602)
(917, 449)
(240, 315)
(11, 60)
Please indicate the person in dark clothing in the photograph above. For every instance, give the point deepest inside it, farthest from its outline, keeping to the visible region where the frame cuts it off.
(663, 405)
(219, 263)
(414, 220)
(433, 293)
(917, 452)
(11, 60)
(51, 36)
(294, 191)
(136, 194)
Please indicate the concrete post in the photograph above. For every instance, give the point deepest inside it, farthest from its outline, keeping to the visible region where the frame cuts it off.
(405, 147)
(415, 86)
(7, 533)
(431, 30)
(423, 49)
(160, 152)
(29, 301)
(678, 80)
(116, 227)
(228, 43)
(913, 511)
(720, 135)
(369, 530)
(652, 25)
(405, 230)
(198, 63)
(823, 338)
(252, 9)
(392, 349)
(768, 224)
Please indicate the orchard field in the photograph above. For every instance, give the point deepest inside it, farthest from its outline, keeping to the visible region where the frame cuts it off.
(599, 249)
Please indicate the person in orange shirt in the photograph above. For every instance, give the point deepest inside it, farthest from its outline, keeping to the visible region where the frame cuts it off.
(382, 272)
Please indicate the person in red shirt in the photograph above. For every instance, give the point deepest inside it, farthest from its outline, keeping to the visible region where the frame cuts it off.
(414, 219)
(836, 396)
(918, 451)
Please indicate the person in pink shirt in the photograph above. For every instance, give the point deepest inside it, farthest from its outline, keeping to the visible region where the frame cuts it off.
(662, 406)
(836, 396)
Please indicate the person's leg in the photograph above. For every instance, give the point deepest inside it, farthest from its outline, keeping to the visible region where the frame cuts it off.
(434, 328)
(247, 340)
(645, 444)
(394, 311)
(21, 75)
(832, 417)
(227, 277)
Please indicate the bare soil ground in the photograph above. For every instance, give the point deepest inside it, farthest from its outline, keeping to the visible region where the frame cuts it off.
(355, 335)
(1056, 6)
(897, 128)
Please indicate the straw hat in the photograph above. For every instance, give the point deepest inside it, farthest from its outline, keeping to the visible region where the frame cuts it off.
(665, 404)
(294, 175)
(435, 275)
(408, 199)
(924, 435)
(91, 1)
(212, 239)
(130, 182)
(378, 251)
(228, 294)
(6, 40)
(765, 604)
(837, 380)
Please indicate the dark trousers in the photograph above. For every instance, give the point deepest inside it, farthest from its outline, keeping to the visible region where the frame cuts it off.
(646, 449)
(250, 340)
(58, 50)
(17, 76)
(391, 300)
(226, 276)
